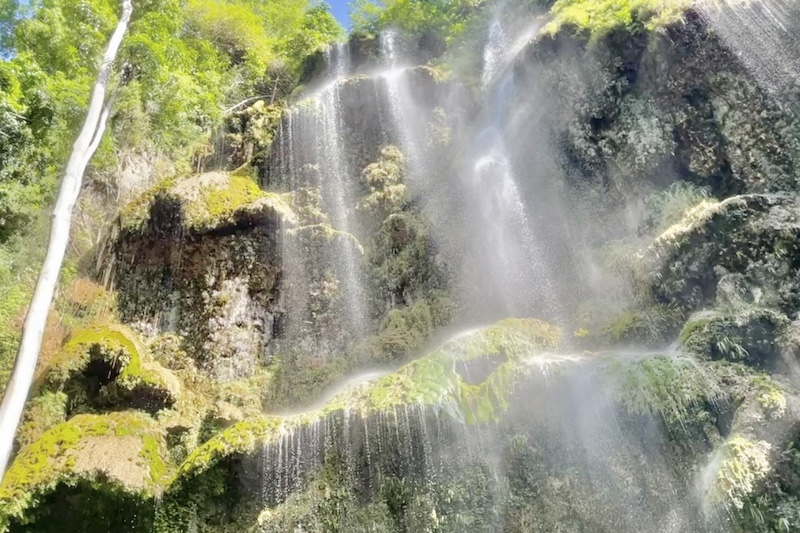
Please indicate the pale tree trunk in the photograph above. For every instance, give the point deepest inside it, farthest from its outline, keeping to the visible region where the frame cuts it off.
(36, 319)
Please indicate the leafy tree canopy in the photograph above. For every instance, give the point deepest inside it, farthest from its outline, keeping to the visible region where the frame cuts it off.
(182, 63)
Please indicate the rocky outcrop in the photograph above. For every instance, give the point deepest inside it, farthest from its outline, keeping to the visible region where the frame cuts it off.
(636, 109)
(107, 367)
(99, 471)
(422, 446)
(201, 258)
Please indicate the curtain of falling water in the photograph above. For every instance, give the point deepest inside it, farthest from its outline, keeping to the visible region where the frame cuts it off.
(507, 272)
(765, 35)
(312, 155)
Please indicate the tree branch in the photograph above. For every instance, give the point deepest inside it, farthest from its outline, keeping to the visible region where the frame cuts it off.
(244, 102)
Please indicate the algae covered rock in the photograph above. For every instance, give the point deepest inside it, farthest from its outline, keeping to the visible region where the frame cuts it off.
(107, 366)
(101, 471)
(563, 451)
(200, 258)
(433, 382)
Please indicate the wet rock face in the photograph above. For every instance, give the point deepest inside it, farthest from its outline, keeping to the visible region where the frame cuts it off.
(217, 289)
(659, 107)
(742, 251)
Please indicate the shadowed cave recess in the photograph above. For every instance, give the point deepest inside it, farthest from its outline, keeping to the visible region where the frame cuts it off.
(543, 276)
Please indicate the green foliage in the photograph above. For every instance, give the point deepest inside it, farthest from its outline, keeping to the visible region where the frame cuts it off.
(318, 28)
(42, 413)
(19, 262)
(599, 17)
(180, 65)
(774, 506)
(444, 18)
(668, 206)
(8, 18)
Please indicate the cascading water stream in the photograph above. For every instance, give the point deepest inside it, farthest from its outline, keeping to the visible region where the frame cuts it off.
(510, 266)
(314, 154)
(401, 103)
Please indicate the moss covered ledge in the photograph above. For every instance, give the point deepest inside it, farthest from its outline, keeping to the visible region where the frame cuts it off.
(107, 366)
(432, 380)
(118, 455)
(204, 202)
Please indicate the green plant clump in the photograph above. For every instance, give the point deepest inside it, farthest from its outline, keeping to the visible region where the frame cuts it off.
(599, 17)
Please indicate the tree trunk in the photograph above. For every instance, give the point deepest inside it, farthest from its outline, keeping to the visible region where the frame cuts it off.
(36, 318)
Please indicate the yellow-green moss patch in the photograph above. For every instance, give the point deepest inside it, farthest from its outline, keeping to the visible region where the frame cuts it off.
(738, 468)
(206, 201)
(123, 449)
(111, 357)
(599, 17)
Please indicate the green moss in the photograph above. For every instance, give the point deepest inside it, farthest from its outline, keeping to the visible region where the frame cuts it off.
(115, 344)
(107, 365)
(669, 387)
(136, 213)
(206, 201)
(513, 337)
(218, 204)
(599, 17)
(770, 396)
(59, 458)
(241, 438)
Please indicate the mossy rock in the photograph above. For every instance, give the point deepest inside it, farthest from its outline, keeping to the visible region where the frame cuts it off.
(741, 465)
(404, 331)
(202, 203)
(115, 457)
(750, 336)
(384, 180)
(750, 237)
(107, 366)
(499, 374)
(433, 381)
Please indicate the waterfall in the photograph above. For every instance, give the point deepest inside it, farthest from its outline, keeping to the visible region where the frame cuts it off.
(395, 78)
(314, 165)
(765, 36)
(509, 270)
